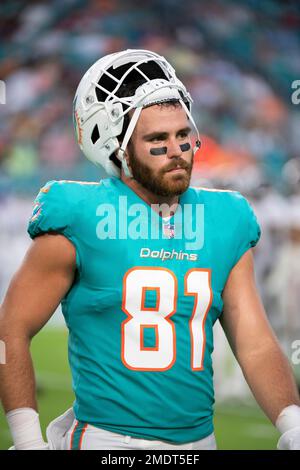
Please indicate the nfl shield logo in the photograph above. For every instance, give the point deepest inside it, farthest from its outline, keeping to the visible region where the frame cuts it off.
(169, 230)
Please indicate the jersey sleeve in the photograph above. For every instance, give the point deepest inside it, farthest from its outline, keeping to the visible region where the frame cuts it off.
(54, 210)
(248, 228)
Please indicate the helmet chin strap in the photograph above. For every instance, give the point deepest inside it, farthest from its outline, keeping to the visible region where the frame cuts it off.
(128, 134)
(198, 141)
(130, 129)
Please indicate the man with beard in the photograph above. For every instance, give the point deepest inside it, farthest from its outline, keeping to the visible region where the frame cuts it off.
(140, 305)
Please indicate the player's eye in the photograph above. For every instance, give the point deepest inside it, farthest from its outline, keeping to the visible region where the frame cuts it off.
(183, 134)
(157, 138)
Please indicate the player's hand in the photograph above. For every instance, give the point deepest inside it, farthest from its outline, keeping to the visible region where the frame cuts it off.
(290, 440)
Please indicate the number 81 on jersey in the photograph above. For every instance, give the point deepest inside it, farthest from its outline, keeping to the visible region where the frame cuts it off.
(137, 281)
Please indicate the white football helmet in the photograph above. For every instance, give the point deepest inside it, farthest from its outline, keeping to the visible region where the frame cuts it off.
(100, 105)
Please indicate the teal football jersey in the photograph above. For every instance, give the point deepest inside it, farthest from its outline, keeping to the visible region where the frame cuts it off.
(142, 307)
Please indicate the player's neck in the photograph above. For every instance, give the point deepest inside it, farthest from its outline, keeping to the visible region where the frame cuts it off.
(151, 198)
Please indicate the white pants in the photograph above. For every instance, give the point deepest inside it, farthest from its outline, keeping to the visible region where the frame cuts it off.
(64, 433)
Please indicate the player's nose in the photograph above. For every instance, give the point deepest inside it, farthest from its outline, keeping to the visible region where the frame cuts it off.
(174, 150)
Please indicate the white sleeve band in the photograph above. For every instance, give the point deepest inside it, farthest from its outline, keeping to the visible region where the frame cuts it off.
(288, 419)
(25, 429)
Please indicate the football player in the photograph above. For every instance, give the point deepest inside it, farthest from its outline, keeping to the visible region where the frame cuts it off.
(143, 265)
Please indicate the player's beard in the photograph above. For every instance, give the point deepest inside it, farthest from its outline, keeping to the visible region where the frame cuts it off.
(160, 182)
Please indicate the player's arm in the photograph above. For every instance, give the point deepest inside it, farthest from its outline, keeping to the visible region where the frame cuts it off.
(256, 348)
(36, 290)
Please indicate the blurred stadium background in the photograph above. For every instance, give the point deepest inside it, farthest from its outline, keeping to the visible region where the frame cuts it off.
(239, 60)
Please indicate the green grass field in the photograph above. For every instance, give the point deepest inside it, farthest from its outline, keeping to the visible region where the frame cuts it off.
(236, 426)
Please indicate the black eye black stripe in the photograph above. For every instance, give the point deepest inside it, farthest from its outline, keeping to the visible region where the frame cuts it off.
(158, 151)
(163, 150)
(185, 147)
